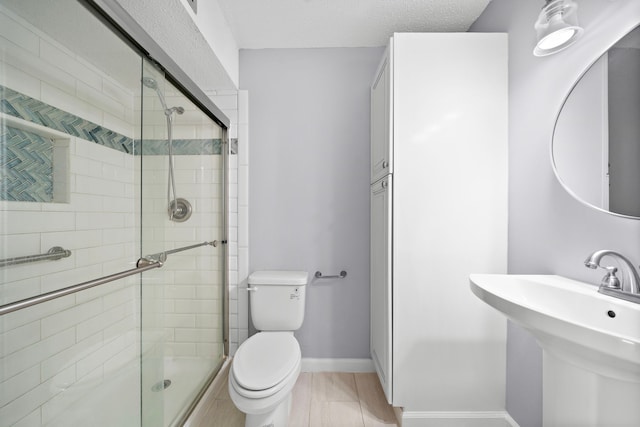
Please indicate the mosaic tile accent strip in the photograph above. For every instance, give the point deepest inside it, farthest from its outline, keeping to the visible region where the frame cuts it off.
(26, 166)
(180, 147)
(233, 146)
(24, 107)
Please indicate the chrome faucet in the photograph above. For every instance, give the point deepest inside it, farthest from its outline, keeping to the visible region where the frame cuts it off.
(629, 289)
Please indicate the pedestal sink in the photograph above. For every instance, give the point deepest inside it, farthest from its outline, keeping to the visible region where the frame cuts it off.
(590, 342)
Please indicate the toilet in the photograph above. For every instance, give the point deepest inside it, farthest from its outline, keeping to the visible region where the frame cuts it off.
(266, 366)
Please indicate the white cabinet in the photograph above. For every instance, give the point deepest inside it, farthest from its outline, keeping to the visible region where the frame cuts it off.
(381, 198)
(439, 118)
(381, 153)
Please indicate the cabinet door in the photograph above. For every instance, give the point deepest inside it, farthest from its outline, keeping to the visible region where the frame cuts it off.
(381, 161)
(450, 205)
(381, 316)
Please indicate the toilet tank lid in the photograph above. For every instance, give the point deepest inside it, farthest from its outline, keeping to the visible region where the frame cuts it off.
(279, 277)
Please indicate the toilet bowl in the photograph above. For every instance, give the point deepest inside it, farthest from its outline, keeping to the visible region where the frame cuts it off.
(266, 366)
(264, 371)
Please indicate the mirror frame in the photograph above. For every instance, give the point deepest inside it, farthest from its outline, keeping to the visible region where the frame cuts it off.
(555, 124)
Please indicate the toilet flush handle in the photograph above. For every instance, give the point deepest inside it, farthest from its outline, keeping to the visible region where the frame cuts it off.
(252, 289)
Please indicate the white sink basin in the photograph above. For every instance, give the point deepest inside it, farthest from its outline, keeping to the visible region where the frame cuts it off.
(570, 320)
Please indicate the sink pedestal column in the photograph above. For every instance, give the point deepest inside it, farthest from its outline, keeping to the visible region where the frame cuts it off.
(576, 397)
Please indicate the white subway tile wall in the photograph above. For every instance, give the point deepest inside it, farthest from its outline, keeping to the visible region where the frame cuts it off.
(41, 68)
(54, 357)
(192, 279)
(54, 354)
(235, 106)
(243, 214)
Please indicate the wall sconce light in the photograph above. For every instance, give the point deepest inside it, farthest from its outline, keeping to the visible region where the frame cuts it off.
(557, 27)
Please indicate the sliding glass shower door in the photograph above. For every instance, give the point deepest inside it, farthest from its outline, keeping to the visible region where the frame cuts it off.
(112, 278)
(182, 213)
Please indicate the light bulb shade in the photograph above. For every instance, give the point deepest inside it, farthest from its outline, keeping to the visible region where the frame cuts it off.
(557, 27)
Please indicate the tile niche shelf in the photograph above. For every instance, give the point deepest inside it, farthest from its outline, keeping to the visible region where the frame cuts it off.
(59, 157)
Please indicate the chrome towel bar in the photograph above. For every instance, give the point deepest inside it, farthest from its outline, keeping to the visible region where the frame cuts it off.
(54, 253)
(342, 275)
(147, 263)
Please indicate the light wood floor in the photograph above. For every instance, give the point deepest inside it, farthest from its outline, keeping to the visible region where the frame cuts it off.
(327, 399)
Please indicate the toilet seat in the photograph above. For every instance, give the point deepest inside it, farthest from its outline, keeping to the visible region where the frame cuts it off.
(269, 395)
(265, 363)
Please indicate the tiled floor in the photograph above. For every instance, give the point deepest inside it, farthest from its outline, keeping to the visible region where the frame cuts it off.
(325, 399)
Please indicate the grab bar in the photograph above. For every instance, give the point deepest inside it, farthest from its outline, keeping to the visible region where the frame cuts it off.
(54, 253)
(146, 263)
(39, 299)
(342, 275)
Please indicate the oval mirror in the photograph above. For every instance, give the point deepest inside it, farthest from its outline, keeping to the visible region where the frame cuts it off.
(596, 141)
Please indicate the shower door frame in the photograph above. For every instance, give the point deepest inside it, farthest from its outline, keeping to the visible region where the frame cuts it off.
(124, 26)
(147, 49)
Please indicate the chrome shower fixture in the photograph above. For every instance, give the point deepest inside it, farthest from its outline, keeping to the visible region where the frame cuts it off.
(179, 209)
(170, 111)
(151, 83)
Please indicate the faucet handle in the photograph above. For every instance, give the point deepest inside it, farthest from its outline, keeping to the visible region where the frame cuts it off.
(610, 280)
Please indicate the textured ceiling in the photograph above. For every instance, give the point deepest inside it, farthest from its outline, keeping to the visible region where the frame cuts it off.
(342, 23)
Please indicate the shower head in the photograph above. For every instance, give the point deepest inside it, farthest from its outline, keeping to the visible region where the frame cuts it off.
(150, 82)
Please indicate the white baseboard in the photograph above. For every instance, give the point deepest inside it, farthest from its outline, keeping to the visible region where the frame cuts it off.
(511, 421)
(457, 419)
(337, 365)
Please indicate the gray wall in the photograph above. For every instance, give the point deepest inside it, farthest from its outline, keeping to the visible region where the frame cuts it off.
(550, 232)
(309, 183)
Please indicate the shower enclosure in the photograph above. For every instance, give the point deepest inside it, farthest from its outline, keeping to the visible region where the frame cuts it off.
(112, 231)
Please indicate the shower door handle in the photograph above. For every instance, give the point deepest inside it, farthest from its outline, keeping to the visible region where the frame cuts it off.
(164, 254)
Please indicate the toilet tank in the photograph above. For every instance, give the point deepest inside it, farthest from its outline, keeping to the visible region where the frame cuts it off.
(277, 299)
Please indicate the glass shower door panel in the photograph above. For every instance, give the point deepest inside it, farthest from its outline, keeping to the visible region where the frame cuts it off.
(68, 175)
(82, 370)
(182, 207)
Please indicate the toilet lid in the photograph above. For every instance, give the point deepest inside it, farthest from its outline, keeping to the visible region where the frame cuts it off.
(265, 359)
